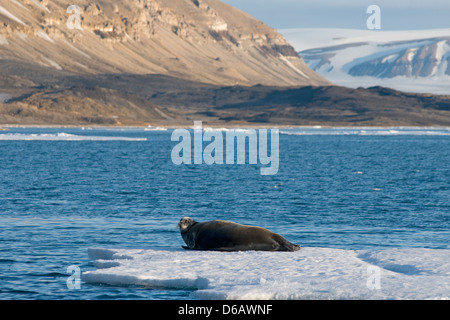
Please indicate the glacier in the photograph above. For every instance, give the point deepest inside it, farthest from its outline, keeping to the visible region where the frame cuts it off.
(407, 60)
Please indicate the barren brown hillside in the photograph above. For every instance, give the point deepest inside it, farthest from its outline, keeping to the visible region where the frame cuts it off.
(201, 40)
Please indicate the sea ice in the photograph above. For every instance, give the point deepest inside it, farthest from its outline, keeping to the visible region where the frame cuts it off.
(311, 273)
(62, 137)
(370, 131)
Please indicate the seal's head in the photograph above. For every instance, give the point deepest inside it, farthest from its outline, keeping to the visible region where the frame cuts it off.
(185, 223)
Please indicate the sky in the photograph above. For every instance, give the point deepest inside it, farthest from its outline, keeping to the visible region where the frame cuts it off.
(394, 14)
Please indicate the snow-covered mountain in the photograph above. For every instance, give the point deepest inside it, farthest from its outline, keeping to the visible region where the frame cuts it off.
(417, 61)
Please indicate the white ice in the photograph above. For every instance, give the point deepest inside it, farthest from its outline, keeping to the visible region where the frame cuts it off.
(62, 137)
(311, 273)
(369, 44)
(369, 131)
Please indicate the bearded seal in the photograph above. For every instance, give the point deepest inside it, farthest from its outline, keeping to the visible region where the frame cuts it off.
(220, 235)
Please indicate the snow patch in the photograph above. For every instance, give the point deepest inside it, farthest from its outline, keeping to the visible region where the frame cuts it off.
(22, 35)
(40, 5)
(76, 49)
(44, 36)
(20, 5)
(4, 97)
(285, 59)
(53, 63)
(3, 40)
(219, 26)
(8, 14)
(411, 53)
(389, 58)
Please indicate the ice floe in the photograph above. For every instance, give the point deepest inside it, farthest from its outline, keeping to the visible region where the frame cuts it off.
(311, 273)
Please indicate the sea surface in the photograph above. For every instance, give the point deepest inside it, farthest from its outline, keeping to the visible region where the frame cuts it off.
(64, 190)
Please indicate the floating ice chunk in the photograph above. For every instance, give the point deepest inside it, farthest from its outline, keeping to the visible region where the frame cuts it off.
(151, 128)
(311, 273)
(62, 137)
(403, 131)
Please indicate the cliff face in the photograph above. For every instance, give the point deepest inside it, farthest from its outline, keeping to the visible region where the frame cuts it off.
(200, 40)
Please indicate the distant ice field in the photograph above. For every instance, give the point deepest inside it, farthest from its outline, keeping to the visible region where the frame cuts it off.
(353, 46)
(310, 38)
(62, 136)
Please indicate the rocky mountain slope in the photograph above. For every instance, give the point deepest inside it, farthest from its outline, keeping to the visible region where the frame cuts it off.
(200, 40)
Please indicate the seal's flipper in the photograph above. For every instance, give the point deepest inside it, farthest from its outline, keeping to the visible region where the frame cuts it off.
(288, 246)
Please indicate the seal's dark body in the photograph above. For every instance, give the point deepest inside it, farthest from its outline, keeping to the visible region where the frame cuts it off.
(222, 235)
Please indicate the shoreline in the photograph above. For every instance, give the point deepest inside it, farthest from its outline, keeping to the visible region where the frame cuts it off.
(6, 127)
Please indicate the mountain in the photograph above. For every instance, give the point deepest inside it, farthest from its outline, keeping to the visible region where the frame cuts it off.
(156, 62)
(199, 40)
(160, 100)
(416, 61)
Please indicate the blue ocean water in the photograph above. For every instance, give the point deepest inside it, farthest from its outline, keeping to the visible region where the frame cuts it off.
(338, 188)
